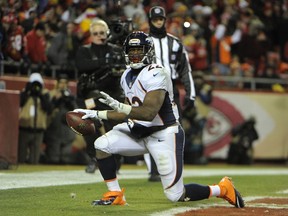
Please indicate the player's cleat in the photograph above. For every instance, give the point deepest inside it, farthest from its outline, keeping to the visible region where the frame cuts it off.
(229, 193)
(111, 198)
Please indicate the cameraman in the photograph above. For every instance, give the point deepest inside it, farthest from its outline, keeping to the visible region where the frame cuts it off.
(241, 146)
(95, 63)
(35, 105)
(59, 137)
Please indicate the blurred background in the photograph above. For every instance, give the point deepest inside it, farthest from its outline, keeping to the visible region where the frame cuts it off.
(237, 47)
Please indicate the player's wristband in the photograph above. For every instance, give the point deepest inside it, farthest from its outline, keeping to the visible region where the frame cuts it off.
(102, 114)
(124, 108)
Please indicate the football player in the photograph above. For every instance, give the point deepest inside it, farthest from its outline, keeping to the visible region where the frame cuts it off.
(150, 125)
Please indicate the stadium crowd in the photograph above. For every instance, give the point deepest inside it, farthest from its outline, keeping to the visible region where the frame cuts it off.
(238, 38)
(231, 38)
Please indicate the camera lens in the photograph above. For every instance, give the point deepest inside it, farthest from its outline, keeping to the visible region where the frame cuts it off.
(117, 28)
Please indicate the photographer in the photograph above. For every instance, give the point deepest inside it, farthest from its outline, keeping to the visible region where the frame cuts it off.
(35, 106)
(241, 146)
(98, 64)
(59, 137)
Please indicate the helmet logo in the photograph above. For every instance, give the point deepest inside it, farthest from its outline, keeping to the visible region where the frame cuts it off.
(134, 41)
(148, 39)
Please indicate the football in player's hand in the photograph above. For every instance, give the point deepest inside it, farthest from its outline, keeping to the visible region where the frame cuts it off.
(78, 125)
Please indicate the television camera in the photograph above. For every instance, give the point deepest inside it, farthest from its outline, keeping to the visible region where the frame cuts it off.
(119, 30)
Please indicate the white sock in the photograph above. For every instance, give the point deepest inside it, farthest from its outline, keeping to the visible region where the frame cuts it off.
(113, 185)
(214, 190)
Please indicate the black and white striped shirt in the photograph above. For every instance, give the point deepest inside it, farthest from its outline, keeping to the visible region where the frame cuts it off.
(171, 54)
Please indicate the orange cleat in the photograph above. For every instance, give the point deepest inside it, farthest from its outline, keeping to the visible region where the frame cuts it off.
(111, 198)
(229, 193)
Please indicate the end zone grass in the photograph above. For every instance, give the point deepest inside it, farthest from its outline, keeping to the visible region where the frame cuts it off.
(144, 198)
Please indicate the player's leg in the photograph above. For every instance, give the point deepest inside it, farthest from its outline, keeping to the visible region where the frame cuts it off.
(116, 141)
(90, 150)
(224, 189)
(166, 147)
(152, 168)
(108, 125)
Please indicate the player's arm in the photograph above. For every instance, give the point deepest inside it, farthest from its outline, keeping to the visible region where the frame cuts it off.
(147, 111)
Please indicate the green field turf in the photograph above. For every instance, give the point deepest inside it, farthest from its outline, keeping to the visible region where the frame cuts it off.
(144, 198)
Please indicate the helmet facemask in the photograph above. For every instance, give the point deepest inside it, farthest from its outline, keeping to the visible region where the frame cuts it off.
(137, 56)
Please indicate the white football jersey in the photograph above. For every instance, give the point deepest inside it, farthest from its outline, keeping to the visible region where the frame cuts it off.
(150, 78)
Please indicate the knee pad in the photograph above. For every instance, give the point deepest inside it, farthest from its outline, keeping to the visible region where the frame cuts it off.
(101, 146)
(164, 163)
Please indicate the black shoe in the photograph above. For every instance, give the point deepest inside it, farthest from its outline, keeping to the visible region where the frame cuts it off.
(154, 178)
(91, 167)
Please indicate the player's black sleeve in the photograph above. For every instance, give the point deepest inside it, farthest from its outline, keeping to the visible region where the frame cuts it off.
(185, 74)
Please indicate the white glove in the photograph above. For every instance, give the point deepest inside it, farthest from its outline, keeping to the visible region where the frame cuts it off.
(114, 104)
(93, 114)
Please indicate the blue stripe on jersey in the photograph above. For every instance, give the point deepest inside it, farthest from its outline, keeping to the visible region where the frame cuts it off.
(166, 111)
(179, 145)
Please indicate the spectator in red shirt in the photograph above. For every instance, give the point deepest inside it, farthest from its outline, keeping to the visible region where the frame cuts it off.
(13, 47)
(15, 35)
(36, 45)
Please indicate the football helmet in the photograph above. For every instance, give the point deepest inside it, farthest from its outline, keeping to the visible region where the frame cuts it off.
(138, 50)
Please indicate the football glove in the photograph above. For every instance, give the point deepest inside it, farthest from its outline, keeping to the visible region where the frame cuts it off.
(114, 104)
(93, 114)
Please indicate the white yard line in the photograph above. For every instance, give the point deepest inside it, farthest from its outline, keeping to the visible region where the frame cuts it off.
(174, 211)
(53, 178)
(283, 192)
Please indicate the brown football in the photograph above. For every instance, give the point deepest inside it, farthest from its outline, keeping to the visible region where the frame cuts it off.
(78, 125)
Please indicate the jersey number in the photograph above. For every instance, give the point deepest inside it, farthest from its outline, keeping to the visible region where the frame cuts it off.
(151, 67)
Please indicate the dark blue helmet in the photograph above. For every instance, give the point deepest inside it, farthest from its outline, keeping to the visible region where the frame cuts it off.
(138, 49)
